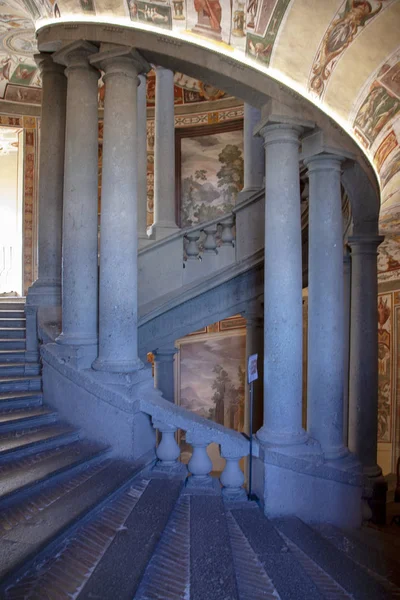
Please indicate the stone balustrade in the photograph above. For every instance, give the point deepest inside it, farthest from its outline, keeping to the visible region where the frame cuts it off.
(209, 238)
(199, 433)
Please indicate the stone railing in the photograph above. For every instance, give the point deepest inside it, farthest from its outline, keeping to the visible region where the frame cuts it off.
(186, 256)
(168, 418)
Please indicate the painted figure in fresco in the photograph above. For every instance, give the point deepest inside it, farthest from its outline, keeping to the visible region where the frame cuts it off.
(251, 12)
(5, 68)
(339, 36)
(211, 9)
(376, 111)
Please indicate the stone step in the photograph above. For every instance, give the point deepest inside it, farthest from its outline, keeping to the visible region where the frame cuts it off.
(168, 572)
(41, 521)
(34, 439)
(7, 301)
(20, 399)
(284, 572)
(10, 323)
(119, 572)
(32, 416)
(355, 580)
(212, 574)
(12, 356)
(12, 332)
(375, 560)
(21, 384)
(20, 475)
(16, 368)
(12, 313)
(12, 344)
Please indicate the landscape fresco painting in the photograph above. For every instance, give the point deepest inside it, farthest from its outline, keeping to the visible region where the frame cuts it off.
(212, 384)
(211, 173)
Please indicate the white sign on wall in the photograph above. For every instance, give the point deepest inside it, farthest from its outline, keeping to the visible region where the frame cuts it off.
(252, 373)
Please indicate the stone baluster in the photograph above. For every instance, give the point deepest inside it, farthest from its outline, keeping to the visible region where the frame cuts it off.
(210, 243)
(167, 450)
(232, 478)
(200, 464)
(192, 249)
(227, 237)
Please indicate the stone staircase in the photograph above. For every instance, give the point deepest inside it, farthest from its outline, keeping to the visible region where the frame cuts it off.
(77, 522)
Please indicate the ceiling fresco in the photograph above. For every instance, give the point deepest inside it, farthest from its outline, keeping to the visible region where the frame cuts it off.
(342, 54)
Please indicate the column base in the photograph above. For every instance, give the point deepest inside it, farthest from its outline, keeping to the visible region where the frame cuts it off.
(163, 229)
(117, 366)
(79, 353)
(333, 454)
(282, 440)
(44, 293)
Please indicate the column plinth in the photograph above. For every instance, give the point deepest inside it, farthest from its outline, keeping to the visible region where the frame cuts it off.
(46, 291)
(164, 155)
(363, 380)
(325, 306)
(79, 272)
(282, 289)
(118, 303)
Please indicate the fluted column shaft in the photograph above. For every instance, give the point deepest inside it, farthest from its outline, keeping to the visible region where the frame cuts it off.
(325, 306)
(118, 300)
(47, 288)
(142, 160)
(363, 387)
(254, 156)
(282, 289)
(79, 273)
(164, 374)
(164, 155)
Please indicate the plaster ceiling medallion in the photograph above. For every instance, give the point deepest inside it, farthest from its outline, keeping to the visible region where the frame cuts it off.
(22, 43)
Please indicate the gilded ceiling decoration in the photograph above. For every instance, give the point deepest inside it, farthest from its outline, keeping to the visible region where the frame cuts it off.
(342, 54)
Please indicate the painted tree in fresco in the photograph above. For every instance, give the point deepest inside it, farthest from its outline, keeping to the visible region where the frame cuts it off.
(230, 175)
(220, 385)
(228, 396)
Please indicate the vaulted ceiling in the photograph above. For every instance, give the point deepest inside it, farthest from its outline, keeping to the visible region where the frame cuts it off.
(342, 54)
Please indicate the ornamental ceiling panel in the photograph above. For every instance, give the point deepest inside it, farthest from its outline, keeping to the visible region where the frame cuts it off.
(342, 54)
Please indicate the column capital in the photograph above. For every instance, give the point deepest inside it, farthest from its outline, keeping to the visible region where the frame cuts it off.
(46, 64)
(365, 244)
(116, 59)
(76, 56)
(165, 354)
(276, 133)
(323, 162)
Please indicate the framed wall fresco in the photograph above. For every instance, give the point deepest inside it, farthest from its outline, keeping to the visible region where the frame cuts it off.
(209, 171)
(211, 373)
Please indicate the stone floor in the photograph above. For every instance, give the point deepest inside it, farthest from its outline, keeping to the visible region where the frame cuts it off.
(76, 522)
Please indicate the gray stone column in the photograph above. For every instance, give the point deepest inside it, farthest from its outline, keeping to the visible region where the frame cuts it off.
(254, 155)
(363, 387)
(47, 288)
(118, 303)
(164, 374)
(346, 351)
(79, 273)
(164, 155)
(325, 306)
(282, 288)
(142, 161)
(255, 345)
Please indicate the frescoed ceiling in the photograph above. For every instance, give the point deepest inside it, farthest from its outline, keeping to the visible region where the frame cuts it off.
(342, 54)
